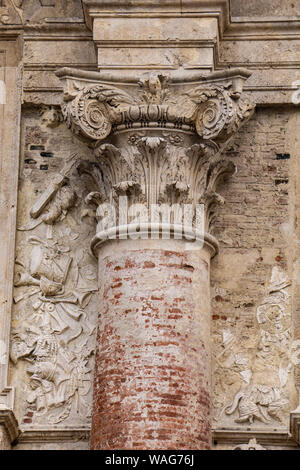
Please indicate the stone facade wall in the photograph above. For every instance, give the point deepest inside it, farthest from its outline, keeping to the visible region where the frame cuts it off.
(253, 325)
(48, 347)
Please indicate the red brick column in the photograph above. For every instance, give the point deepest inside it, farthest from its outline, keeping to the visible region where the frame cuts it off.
(152, 372)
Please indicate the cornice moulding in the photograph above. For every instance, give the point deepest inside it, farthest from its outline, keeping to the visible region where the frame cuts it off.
(230, 27)
(263, 28)
(179, 76)
(152, 8)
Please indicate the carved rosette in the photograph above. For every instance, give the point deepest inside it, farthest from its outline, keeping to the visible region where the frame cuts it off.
(160, 143)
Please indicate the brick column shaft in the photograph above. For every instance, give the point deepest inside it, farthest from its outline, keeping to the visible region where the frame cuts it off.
(152, 373)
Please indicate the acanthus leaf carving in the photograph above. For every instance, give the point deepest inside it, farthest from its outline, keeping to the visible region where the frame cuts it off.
(163, 143)
(155, 90)
(154, 159)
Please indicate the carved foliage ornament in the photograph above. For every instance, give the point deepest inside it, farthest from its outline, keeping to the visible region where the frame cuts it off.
(154, 154)
(215, 111)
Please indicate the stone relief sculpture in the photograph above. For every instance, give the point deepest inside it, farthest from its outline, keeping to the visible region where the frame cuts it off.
(51, 116)
(53, 332)
(270, 356)
(62, 198)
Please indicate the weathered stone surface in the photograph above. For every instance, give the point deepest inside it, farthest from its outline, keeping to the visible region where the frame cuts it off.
(268, 8)
(4, 439)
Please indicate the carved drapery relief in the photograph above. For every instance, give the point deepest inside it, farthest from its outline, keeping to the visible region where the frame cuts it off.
(254, 365)
(54, 321)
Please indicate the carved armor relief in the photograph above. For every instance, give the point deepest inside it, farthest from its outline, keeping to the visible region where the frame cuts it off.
(55, 309)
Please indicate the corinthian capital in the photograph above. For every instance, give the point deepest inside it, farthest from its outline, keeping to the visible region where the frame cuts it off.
(159, 139)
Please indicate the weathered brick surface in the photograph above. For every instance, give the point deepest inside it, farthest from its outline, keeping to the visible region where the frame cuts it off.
(152, 375)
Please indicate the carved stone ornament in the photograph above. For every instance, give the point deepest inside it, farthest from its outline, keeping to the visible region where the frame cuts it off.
(214, 110)
(252, 445)
(11, 12)
(257, 374)
(156, 140)
(53, 326)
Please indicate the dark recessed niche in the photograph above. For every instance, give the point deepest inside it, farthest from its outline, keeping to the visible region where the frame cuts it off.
(43, 167)
(46, 154)
(282, 156)
(37, 147)
(29, 161)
